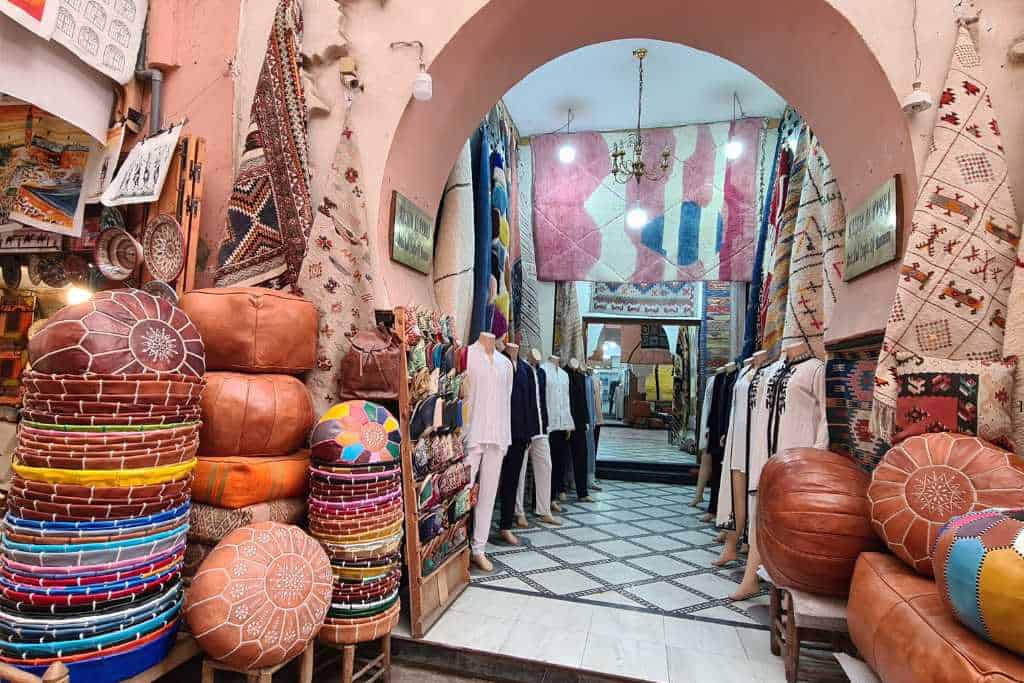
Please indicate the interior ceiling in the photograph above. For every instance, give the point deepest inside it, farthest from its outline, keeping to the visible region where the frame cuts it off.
(681, 85)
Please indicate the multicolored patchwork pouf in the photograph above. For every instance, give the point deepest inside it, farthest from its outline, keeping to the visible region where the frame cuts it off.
(356, 512)
(979, 571)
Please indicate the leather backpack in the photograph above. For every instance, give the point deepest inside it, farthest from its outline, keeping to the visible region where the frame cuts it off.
(372, 368)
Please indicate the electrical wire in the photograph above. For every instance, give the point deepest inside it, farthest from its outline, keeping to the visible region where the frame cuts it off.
(917, 47)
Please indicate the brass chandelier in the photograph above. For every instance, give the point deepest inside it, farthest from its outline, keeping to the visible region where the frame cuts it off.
(624, 170)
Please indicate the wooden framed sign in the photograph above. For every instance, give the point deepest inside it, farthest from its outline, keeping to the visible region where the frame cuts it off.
(412, 235)
(872, 231)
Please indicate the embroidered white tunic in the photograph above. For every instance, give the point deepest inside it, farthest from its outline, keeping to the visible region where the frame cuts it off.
(758, 454)
(489, 398)
(705, 413)
(557, 390)
(735, 457)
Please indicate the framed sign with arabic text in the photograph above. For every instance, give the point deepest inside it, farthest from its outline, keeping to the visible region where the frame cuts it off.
(412, 235)
(872, 231)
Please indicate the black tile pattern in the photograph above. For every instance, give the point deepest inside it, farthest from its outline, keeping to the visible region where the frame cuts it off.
(639, 546)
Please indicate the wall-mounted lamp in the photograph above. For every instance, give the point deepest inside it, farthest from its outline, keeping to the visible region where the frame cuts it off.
(423, 85)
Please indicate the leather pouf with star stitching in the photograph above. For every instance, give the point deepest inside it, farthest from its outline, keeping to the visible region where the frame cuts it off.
(260, 596)
(927, 480)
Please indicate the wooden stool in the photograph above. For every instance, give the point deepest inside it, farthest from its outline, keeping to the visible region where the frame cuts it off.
(377, 668)
(264, 675)
(799, 618)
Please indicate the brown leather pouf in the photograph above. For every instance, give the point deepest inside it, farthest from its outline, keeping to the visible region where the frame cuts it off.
(246, 414)
(813, 520)
(252, 329)
(927, 480)
(260, 596)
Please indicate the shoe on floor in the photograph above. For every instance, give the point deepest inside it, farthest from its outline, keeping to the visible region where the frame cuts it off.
(522, 523)
(482, 563)
(549, 520)
(508, 537)
(596, 486)
(555, 507)
(587, 499)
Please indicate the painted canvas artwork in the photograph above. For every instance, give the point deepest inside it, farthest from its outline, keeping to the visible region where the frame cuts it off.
(43, 161)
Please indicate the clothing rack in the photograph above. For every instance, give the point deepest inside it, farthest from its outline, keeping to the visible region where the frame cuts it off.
(429, 596)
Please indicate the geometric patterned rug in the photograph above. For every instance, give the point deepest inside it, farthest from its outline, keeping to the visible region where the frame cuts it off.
(639, 546)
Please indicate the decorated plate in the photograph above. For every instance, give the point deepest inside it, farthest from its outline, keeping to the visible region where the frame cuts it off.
(164, 247)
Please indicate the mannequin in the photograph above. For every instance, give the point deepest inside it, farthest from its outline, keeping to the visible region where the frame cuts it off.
(526, 424)
(560, 425)
(718, 428)
(488, 392)
(578, 393)
(702, 439)
(539, 452)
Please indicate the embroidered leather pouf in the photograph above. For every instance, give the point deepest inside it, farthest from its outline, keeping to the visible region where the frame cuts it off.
(254, 415)
(813, 520)
(979, 573)
(119, 331)
(260, 596)
(927, 480)
(356, 433)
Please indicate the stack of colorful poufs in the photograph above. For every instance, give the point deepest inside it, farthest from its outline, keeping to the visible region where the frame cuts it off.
(98, 508)
(355, 511)
(256, 412)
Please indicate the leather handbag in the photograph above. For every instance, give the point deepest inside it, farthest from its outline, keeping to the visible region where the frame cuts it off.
(372, 368)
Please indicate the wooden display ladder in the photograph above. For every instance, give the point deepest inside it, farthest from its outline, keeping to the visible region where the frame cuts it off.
(429, 596)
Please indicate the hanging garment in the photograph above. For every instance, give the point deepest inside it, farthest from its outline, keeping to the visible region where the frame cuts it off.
(488, 390)
(559, 406)
(270, 210)
(721, 407)
(525, 411)
(735, 452)
(568, 323)
(337, 272)
(816, 259)
(951, 298)
(527, 309)
(705, 413)
(453, 252)
(480, 148)
(757, 451)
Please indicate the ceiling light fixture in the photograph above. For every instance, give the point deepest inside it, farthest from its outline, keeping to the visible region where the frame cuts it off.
(567, 152)
(636, 218)
(622, 170)
(919, 99)
(423, 84)
(734, 148)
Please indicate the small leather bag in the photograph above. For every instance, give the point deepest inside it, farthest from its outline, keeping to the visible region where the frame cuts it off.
(371, 370)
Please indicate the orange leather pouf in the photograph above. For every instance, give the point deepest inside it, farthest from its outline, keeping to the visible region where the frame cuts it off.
(260, 596)
(813, 520)
(245, 414)
(927, 480)
(236, 481)
(253, 329)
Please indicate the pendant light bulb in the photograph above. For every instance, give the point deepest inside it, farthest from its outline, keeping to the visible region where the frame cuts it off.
(423, 86)
(77, 295)
(733, 150)
(567, 154)
(636, 218)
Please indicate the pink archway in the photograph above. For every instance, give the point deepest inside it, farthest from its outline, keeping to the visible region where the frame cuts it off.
(804, 49)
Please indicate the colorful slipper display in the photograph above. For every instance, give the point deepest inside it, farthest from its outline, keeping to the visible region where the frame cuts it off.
(93, 540)
(355, 511)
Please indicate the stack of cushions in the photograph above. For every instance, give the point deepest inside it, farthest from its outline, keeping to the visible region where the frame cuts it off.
(98, 508)
(356, 512)
(256, 413)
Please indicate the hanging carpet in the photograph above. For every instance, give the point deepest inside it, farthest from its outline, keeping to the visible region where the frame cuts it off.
(676, 299)
(849, 385)
(715, 337)
(527, 309)
(952, 294)
(568, 342)
(270, 212)
(453, 246)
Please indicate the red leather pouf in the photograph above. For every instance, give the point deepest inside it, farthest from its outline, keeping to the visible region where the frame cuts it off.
(813, 520)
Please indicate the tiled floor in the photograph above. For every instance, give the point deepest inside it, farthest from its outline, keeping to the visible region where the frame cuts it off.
(639, 546)
(626, 444)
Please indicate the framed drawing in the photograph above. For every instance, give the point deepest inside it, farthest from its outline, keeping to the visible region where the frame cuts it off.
(872, 231)
(412, 235)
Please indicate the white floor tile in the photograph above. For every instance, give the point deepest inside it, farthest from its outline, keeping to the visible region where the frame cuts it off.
(553, 646)
(526, 561)
(510, 582)
(665, 595)
(471, 631)
(622, 623)
(499, 604)
(703, 636)
(613, 598)
(621, 656)
(757, 644)
(549, 613)
(691, 665)
(616, 573)
(712, 585)
(564, 581)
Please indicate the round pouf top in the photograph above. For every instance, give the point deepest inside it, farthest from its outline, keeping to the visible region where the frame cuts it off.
(260, 596)
(356, 433)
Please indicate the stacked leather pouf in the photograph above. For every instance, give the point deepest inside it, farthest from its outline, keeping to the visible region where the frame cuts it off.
(355, 511)
(94, 535)
(252, 465)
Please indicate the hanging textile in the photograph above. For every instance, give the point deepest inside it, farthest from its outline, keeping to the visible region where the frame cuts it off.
(38, 16)
(951, 299)
(270, 212)
(702, 215)
(480, 148)
(453, 246)
(778, 288)
(568, 341)
(675, 299)
(816, 259)
(107, 37)
(849, 384)
(337, 273)
(715, 337)
(527, 312)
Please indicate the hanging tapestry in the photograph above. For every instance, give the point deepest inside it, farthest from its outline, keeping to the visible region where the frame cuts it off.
(777, 297)
(453, 247)
(702, 214)
(849, 385)
(270, 212)
(501, 298)
(105, 36)
(951, 297)
(141, 177)
(43, 165)
(816, 259)
(37, 16)
(337, 275)
(715, 337)
(677, 299)
(568, 337)
(681, 407)
(527, 312)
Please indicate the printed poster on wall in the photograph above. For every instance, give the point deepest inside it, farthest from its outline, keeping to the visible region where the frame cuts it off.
(44, 162)
(142, 175)
(37, 16)
(104, 34)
